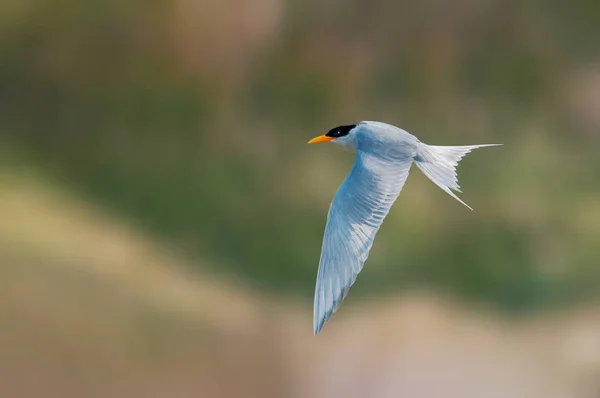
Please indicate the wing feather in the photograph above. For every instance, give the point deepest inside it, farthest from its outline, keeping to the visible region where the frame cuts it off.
(357, 211)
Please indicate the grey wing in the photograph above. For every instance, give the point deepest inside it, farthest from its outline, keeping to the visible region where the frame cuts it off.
(356, 213)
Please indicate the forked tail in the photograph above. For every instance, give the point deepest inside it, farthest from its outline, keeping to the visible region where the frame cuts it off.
(439, 163)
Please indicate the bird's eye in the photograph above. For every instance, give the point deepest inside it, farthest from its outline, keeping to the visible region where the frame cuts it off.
(340, 131)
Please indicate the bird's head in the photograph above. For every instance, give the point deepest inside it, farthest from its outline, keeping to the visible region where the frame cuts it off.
(341, 135)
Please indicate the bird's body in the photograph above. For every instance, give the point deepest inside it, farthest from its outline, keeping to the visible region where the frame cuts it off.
(384, 155)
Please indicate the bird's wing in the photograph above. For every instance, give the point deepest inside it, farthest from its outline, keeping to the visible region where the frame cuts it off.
(356, 213)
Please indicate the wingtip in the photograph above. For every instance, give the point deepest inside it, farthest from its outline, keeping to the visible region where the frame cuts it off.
(318, 324)
(317, 329)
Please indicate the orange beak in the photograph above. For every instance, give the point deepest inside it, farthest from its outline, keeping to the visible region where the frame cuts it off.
(321, 138)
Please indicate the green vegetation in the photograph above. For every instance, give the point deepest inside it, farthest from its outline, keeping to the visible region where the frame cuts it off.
(202, 141)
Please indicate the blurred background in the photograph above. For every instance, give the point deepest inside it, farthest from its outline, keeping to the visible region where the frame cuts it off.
(161, 215)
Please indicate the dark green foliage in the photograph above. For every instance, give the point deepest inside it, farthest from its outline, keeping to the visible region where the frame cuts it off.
(206, 163)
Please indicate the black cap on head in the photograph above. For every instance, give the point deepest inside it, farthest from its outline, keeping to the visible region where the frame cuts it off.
(340, 131)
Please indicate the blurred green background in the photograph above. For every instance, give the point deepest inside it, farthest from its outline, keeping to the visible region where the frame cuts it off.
(187, 120)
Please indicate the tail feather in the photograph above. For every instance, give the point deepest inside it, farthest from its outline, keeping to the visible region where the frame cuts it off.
(439, 163)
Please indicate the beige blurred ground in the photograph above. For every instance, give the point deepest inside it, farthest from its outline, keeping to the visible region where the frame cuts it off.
(90, 307)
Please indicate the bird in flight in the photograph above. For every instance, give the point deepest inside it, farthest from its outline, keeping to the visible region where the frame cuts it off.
(384, 154)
